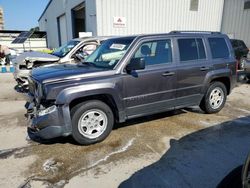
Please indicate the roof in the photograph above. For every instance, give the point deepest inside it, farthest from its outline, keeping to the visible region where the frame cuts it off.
(172, 33)
(45, 10)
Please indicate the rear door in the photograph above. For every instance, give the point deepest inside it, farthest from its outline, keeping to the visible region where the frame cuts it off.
(221, 55)
(192, 67)
(153, 89)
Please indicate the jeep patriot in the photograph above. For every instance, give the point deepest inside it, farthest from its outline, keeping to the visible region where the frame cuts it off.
(129, 77)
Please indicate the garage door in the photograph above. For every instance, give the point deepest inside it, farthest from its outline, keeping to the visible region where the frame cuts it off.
(62, 30)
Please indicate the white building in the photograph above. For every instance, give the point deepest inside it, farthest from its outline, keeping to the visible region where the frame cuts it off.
(64, 19)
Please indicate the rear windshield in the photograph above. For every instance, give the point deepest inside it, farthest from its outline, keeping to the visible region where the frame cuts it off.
(218, 48)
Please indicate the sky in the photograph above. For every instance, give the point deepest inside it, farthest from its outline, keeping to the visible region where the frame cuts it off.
(22, 14)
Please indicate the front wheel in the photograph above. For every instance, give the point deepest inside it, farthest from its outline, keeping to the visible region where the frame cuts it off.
(92, 121)
(215, 98)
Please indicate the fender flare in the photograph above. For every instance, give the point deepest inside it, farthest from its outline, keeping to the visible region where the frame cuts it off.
(215, 74)
(66, 96)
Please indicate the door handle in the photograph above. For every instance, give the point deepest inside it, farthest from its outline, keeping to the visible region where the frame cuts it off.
(204, 68)
(168, 74)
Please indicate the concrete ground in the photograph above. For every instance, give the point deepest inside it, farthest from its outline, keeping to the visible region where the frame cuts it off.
(182, 148)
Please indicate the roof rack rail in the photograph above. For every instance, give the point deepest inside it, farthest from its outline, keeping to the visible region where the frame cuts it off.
(205, 32)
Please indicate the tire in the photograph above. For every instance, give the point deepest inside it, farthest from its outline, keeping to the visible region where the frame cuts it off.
(215, 98)
(92, 122)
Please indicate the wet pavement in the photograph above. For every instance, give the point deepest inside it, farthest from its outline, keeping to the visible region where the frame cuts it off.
(182, 148)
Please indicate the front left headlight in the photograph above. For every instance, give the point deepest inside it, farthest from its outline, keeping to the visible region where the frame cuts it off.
(47, 111)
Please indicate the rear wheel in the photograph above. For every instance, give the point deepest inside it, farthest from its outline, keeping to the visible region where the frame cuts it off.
(215, 98)
(92, 121)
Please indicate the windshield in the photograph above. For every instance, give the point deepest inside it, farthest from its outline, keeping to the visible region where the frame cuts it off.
(109, 53)
(65, 49)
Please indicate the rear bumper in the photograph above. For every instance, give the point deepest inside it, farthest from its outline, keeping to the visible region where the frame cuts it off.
(47, 125)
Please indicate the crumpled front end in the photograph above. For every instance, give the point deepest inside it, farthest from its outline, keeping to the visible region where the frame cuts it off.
(26, 62)
(46, 120)
(21, 75)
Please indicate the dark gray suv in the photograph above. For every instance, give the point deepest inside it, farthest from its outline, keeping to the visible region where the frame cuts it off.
(128, 77)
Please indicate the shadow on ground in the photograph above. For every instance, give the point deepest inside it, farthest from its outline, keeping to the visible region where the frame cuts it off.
(202, 159)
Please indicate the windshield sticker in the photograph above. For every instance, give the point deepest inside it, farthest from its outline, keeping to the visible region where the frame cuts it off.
(113, 56)
(117, 46)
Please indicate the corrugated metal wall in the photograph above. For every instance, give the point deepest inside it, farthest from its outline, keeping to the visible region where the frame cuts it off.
(153, 16)
(236, 20)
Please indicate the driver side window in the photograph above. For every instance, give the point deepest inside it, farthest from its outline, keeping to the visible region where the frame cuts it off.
(155, 52)
(89, 48)
(85, 51)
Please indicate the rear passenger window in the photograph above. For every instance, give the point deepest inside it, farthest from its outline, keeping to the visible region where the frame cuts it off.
(191, 49)
(218, 48)
(155, 52)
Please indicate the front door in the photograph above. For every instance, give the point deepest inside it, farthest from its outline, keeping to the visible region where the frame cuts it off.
(152, 89)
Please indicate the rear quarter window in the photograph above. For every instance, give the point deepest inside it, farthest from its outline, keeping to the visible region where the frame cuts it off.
(219, 48)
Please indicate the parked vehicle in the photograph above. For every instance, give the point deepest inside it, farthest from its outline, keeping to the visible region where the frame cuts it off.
(72, 52)
(129, 77)
(240, 50)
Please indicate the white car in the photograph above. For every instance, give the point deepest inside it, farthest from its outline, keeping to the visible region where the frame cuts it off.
(76, 50)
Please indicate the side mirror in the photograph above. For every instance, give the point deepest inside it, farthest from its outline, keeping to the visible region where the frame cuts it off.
(136, 64)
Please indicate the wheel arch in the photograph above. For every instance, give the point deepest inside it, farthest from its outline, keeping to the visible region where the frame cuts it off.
(105, 98)
(225, 80)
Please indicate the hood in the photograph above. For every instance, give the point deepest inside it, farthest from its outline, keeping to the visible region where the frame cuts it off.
(35, 56)
(60, 72)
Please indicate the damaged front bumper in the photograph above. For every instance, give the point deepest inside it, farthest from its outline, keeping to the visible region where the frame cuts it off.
(47, 123)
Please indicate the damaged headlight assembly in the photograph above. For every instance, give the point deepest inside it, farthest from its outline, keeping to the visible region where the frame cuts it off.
(29, 64)
(47, 111)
